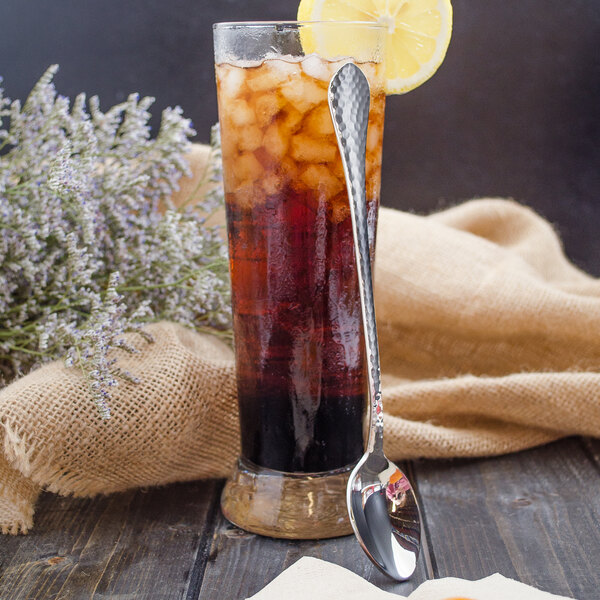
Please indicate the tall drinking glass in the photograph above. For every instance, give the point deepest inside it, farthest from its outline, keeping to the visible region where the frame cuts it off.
(296, 307)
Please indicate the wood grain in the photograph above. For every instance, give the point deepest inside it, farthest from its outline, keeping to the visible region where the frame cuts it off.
(134, 545)
(533, 516)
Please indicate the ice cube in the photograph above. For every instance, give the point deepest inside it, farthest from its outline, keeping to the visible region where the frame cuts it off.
(272, 184)
(377, 106)
(376, 77)
(303, 95)
(231, 80)
(229, 179)
(340, 210)
(319, 177)
(373, 179)
(246, 167)
(249, 138)
(271, 75)
(284, 69)
(318, 121)
(370, 71)
(289, 169)
(276, 141)
(314, 67)
(292, 119)
(307, 149)
(337, 168)
(228, 142)
(374, 137)
(266, 107)
(261, 80)
(239, 112)
(247, 194)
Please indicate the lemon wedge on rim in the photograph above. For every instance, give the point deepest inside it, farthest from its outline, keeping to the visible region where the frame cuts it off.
(418, 35)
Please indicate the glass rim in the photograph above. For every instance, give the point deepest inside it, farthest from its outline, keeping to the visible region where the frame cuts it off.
(291, 24)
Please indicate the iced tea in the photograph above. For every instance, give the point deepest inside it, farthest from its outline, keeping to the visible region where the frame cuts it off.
(297, 318)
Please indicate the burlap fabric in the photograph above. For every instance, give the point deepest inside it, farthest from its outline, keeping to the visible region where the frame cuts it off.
(489, 341)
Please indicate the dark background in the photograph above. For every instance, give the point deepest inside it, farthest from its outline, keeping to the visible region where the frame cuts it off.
(513, 111)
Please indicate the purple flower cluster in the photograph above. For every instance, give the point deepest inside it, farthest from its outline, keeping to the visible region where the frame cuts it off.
(90, 245)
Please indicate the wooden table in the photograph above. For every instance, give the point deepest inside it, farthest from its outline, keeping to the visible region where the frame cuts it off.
(533, 516)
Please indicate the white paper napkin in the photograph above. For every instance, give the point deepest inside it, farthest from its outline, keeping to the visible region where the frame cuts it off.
(320, 580)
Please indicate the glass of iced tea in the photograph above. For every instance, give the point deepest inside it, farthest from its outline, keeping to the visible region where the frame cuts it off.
(297, 319)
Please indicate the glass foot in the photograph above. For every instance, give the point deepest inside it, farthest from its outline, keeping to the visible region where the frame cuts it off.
(287, 505)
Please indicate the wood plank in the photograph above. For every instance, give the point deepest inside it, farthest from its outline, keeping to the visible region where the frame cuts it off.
(139, 544)
(242, 563)
(533, 516)
(591, 447)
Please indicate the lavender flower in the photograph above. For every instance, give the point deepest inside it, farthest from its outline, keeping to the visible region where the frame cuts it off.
(90, 245)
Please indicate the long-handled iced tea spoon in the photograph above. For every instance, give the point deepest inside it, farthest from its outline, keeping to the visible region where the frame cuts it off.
(381, 502)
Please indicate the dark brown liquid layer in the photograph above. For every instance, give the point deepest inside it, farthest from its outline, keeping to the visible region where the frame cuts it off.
(298, 333)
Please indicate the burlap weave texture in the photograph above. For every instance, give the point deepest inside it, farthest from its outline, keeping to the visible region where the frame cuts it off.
(489, 342)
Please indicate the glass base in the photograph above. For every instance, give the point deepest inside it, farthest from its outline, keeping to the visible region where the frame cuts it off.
(287, 505)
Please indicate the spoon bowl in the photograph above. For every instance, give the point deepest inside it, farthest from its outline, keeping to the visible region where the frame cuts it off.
(382, 505)
(385, 515)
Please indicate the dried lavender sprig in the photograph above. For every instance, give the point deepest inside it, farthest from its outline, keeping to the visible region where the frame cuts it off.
(86, 254)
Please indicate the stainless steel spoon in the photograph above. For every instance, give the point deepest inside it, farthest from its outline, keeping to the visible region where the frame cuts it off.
(381, 502)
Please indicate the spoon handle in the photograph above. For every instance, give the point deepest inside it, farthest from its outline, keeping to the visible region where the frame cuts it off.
(349, 99)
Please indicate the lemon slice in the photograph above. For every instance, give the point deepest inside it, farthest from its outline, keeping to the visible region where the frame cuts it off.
(419, 32)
